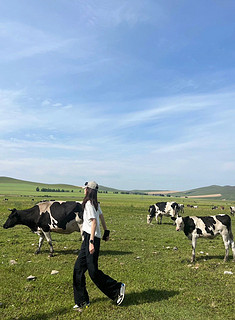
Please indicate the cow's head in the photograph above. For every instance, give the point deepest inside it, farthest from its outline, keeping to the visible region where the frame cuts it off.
(12, 220)
(175, 207)
(152, 212)
(179, 222)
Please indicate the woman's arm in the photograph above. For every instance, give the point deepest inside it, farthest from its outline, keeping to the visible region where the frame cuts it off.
(92, 237)
(103, 221)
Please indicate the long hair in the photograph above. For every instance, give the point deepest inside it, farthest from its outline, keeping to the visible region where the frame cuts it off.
(91, 195)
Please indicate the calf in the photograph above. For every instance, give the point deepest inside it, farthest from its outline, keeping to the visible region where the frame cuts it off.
(159, 209)
(57, 216)
(207, 227)
(232, 210)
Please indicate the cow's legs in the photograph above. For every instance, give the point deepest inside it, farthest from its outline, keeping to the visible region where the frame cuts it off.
(226, 245)
(194, 243)
(40, 242)
(49, 240)
(228, 241)
(158, 215)
(232, 243)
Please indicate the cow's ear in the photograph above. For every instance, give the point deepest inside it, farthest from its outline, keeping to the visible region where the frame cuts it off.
(173, 218)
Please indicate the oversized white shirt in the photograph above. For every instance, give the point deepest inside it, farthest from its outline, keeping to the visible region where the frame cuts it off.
(88, 214)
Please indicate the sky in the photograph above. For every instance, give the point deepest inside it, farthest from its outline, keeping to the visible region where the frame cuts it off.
(132, 94)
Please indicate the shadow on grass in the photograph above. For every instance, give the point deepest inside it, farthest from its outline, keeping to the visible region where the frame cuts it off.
(148, 296)
(202, 258)
(102, 252)
(43, 316)
(205, 258)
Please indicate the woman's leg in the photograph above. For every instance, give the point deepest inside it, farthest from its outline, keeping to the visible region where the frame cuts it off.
(105, 283)
(79, 280)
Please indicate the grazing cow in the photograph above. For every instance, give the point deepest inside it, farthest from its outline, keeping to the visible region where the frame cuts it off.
(207, 227)
(57, 216)
(181, 207)
(159, 209)
(214, 208)
(232, 210)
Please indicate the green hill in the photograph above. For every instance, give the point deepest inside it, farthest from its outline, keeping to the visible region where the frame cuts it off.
(13, 186)
(227, 192)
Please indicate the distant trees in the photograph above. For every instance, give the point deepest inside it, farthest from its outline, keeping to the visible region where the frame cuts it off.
(52, 190)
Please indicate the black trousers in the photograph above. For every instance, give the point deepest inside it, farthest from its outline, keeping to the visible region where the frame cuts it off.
(87, 261)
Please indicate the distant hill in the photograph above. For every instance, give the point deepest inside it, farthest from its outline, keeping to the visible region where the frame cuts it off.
(214, 191)
(217, 192)
(226, 192)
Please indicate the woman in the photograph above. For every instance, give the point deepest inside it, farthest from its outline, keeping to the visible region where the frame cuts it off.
(89, 254)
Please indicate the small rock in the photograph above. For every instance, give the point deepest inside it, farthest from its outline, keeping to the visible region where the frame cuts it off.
(228, 272)
(54, 272)
(175, 248)
(29, 278)
(13, 262)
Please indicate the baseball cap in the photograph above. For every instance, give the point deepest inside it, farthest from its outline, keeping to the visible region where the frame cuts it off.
(92, 185)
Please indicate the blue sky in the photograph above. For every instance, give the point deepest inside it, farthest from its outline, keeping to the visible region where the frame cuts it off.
(133, 94)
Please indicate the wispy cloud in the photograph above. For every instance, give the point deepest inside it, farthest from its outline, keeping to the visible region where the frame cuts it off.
(24, 41)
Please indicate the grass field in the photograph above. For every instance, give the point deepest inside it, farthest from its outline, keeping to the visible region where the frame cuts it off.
(153, 261)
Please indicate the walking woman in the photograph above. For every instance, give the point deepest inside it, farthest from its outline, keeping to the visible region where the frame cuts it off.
(89, 254)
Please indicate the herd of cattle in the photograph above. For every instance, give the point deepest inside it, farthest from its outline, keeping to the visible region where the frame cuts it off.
(67, 217)
(196, 227)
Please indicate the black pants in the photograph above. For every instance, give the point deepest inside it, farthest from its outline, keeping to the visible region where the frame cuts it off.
(87, 261)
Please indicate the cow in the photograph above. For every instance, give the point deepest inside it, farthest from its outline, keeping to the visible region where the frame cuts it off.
(181, 207)
(232, 210)
(214, 208)
(159, 209)
(207, 227)
(57, 216)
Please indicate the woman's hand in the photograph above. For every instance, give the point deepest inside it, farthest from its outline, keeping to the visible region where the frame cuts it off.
(91, 248)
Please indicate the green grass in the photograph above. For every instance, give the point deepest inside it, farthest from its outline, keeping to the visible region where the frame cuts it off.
(161, 283)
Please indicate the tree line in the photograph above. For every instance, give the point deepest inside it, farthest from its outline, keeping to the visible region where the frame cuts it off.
(52, 190)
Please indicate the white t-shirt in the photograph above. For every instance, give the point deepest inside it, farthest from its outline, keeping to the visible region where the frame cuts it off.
(88, 214)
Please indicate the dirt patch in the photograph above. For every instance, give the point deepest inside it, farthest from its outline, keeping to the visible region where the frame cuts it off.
(207, 196)
(162, 192)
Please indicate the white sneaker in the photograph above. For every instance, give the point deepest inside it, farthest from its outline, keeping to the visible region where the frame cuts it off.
(80, 307)
(121, 295)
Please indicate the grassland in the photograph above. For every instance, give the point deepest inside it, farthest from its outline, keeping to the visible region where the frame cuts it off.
(153, 261)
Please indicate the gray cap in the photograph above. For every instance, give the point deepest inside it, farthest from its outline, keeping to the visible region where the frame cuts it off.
(92, 185)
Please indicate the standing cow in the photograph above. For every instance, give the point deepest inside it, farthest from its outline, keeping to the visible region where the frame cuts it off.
(57, 216)
(159, 209)
(207, 227)
(232, 210)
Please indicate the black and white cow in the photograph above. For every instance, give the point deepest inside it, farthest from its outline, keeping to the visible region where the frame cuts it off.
(207, 227)
(57, 216)
(181, 207)
(232, 210)
(159, 209)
